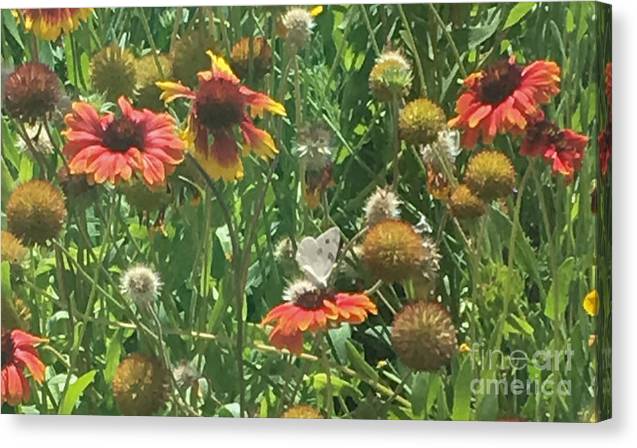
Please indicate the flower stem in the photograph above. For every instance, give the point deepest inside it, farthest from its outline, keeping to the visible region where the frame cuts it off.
(151, 42)
(414, 49)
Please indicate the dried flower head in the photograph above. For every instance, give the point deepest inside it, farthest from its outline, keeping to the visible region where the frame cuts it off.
(12, 249)
(31, 92)
(140, 385)
(144, 198)
(314, 145)
(36, 212)
(446, 145)
(14, 313)
(298, 24)
(38, 140)
(393, 250)
(490, 174)
(148, 74)
(185, 374)
(420, 121)
(113, 72)
(284, 255)
(423, 336)
(465, 204)
(251, 50)
(189, 57)
(391, 76)
(78, 191)
(141, 284)
(302, 411)
(382, 204)
(429, 267)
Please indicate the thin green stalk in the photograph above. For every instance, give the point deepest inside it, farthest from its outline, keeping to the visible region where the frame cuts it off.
(77, 344)
(370, 30)
(414, 48)
(151, 42)
(449, 38)
(325, 364)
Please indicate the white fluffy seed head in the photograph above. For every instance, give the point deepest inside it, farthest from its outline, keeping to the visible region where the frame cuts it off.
(447, 145)
(382, 204)
(298, 24)
(141, 284)
(297, 289)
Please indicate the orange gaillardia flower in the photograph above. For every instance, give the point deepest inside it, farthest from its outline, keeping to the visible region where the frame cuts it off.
(18, 352)
(310, 308)
(563, 149)
(49, 23)
(218, 106)
(504, 98)
(113, 147)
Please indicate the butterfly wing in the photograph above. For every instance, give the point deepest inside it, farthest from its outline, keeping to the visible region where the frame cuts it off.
(317, 256)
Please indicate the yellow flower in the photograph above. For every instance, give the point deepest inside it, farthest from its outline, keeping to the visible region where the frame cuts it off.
(591, 303)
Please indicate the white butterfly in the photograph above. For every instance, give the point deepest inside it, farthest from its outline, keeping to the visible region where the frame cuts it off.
(317, 256)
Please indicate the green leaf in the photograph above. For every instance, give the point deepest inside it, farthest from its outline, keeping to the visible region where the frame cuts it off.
(113, 353)
(359, 364)
(557, 298)
(75, 391)
(517, 13)
(462, 392)
(419, 392)
(339, 386)
(479, 34)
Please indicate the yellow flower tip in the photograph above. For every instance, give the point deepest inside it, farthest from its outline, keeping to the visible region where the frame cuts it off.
(464, 348)
(220, 64)
(591, 303)
(316, 10)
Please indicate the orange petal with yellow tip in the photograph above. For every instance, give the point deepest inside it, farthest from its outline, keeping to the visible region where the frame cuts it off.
(173, 90)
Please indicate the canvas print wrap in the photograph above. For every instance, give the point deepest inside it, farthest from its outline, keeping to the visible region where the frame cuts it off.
(340, 211)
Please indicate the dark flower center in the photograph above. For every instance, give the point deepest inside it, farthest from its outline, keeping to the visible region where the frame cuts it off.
(312, 300)
(547, 133)
(7, 348)
(123, 134)
(499, 82)
(219, 104)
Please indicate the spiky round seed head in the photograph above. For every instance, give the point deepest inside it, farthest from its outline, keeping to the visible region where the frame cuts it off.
(465, 204)
(139, 385)
(298, 289)
(147, 75)
(420, 121)
(31, 92)
(423, 336)
(12, 249)
(145, 199)
(141, 284)
(260, 56)
(189, 57)
(390, 77)
(382, 204)
(302, 411)
(393, 250)
(113, 72)
(36, 212)
(298, 24)
(490, 174)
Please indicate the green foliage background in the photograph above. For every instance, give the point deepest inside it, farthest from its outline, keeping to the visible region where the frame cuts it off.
(529, 302)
